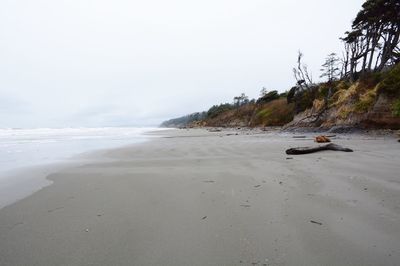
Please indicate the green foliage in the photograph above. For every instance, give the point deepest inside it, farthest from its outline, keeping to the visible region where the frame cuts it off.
(184, 120)
(330, 69)
(365, 103)
(263, 91)
(240, 100)
(391, 82)
(327, 89)
(290, 95)
(370, 79)
(305, 99)
(216, 110)
(275, 113)
(323, 90)
(283, 94)
(342, 85)
(264, 113)
(396, 108)
(302, 96)
(361, 107)
(375, 31)
(268, 97)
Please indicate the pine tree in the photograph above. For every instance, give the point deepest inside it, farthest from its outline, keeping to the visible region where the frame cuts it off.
(330, 68)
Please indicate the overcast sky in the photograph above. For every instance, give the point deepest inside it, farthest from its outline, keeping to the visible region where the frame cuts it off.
(128, 62)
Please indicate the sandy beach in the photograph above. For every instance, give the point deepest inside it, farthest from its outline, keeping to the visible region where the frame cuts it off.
(194, 197)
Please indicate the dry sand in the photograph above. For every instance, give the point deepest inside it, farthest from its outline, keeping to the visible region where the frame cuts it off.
(205, 198)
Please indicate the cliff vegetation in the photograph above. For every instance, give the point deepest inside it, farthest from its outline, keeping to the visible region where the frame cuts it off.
(360, 88)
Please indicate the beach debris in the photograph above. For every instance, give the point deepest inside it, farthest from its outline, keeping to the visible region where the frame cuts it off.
(86, 230)
(15, 225)
(299, 137)
(214, 130)
(209, 181)
(306, 150)
(280, 182)
(289, 158)
(55, 209)
(205, 217)
(257, 186)
(315, 222)
(322, 139)
(245, 205)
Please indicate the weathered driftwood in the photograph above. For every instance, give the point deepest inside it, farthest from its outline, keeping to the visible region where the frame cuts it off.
(305, 150)
(214, 130)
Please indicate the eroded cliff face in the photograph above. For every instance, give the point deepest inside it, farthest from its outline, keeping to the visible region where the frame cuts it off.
(371, 102)
(382, 114)
(348, 113)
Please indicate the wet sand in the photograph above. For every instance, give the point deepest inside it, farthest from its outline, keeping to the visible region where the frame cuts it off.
(194, 197)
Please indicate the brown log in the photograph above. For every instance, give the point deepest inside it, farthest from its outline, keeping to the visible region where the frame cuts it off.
(306, 150)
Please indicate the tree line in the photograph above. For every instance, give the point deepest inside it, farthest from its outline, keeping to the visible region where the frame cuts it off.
(372, 44)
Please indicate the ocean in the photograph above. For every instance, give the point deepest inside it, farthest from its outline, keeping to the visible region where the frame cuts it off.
(26, 148)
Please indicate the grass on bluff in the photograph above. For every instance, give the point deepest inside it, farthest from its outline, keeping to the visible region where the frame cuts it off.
(391, 82)
(274, 113)
(396, 108)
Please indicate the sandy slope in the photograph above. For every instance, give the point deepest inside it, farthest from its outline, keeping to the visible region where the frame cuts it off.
(201, 198)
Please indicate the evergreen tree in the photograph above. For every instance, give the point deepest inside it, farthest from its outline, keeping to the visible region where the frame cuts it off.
(373, 42)
(330, 69)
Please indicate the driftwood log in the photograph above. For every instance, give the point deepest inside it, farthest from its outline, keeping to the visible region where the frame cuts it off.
(305, 150)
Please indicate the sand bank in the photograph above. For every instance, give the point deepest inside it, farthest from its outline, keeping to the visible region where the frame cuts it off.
(195, 197)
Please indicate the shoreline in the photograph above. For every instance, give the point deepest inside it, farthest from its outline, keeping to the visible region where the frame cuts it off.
(343, 130)
(19, 183)
(194, 197)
